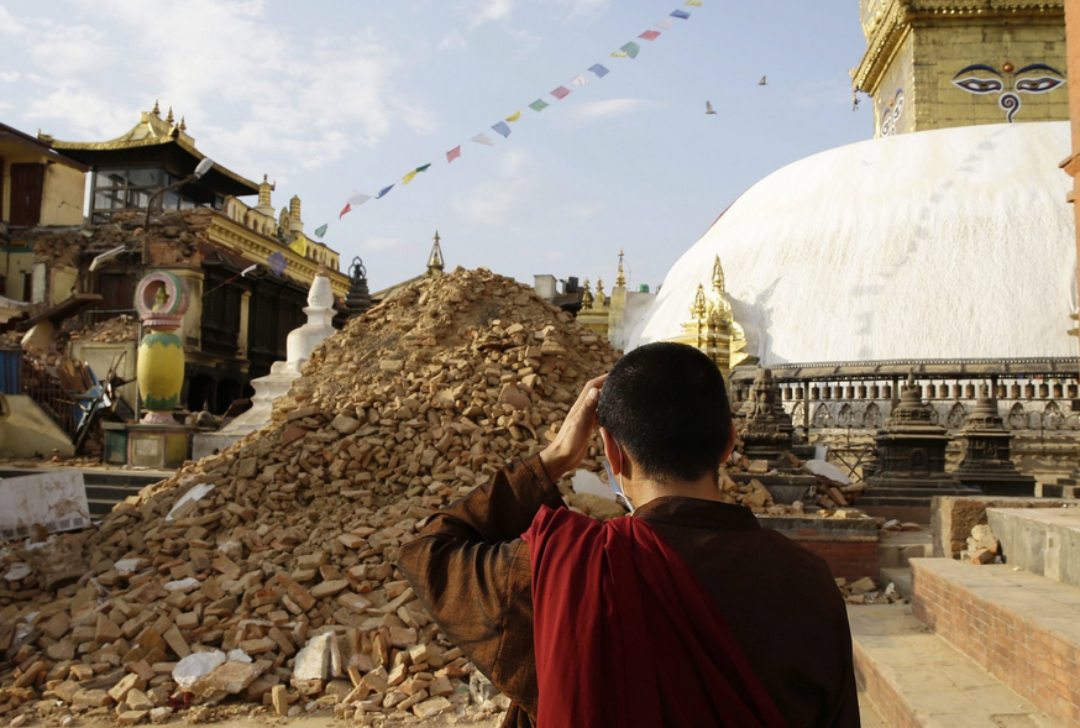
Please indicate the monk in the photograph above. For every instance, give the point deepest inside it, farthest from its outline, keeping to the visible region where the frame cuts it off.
(685, 613)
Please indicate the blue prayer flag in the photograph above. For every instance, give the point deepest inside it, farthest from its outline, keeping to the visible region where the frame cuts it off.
(503, 128)
(383, 191)
(277, 263)
(681, 14)
(599, 70)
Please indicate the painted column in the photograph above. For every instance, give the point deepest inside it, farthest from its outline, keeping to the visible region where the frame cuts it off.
(162, 299)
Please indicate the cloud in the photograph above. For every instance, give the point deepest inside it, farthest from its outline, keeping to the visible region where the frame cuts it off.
(9, 76)
(528, 43)
(453, 41)
(85, 114)
(582, 8)
(512, 161)
(376, 244)
(491, 10)
(492, 204)
(595, 110)
(277, 96)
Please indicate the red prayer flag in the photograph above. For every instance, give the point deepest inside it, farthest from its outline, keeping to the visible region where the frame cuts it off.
(348, 207)
(650, 35)
(453, 154)
(561, 93)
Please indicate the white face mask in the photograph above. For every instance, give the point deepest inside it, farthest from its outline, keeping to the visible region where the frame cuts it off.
(617, 485)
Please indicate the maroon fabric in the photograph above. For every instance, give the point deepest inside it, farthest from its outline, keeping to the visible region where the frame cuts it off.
(625, 635)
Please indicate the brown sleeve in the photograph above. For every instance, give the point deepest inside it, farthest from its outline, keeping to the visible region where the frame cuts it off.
(472, 572)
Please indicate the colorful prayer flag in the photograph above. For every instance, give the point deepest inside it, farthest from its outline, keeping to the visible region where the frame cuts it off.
(681, 14)
(665, 24)
(502, 128)
(631, 49)
(580, 80)
(618, 54)
(599, 70)
(539, 105)
(561, 93)
(408, 178)
(320, 231)
(277, 263)
(383, 191)
(483, 139)
(695, 3)
(344, 210)
(453, 154)
(650, 35)
(514, 117)
(358, 198)
(299, 246)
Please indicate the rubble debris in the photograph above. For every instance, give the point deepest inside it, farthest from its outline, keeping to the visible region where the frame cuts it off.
(828, 493)
(866, 591)
(288, 551)
(982, 546)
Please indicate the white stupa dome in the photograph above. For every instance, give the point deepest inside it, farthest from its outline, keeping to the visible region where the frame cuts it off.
(936, 245)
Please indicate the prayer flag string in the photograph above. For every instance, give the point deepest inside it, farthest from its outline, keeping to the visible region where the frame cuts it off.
(630, 50)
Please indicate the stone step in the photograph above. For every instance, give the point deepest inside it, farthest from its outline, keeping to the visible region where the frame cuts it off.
(913, 678)
(1023, 628)
(1044, 541)
(901, 577)
(896, 549)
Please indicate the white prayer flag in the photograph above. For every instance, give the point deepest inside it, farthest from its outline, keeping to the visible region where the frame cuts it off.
(483, 139)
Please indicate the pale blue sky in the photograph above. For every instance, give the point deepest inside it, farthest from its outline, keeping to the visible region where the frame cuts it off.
(328, 97)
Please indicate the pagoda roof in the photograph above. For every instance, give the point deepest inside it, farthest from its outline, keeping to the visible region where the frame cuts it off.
(157, 139)
(41, 146)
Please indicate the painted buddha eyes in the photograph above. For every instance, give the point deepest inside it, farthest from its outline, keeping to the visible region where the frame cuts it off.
(979, 85)
(1038, 85)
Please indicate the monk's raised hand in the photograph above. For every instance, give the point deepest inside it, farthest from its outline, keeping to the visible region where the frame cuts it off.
(569, 447)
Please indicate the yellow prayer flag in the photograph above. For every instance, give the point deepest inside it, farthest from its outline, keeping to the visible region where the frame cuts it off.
(618, 54)
(408, 178)
(299, 246)
(695, 3)
(514, 117)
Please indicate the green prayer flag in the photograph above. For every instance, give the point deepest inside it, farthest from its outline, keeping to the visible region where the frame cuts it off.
(424, 168)
(319, 232)
(631, 49)
(539, 105)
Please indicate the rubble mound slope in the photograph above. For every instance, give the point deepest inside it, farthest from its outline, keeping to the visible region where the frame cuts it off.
(287, 540)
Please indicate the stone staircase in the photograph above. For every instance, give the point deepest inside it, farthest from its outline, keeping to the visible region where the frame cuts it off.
(994, 645)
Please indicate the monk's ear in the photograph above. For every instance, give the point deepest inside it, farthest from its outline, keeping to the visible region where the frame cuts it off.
(730, 445)
(612, 451)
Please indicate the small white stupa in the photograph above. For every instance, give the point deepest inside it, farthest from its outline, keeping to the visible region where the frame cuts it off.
(299, 345)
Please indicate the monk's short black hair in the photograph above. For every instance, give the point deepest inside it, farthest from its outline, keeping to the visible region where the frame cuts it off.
(667, 407)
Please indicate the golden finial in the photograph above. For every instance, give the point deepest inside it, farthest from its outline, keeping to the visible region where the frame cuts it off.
(169, 119)
(183, 124)
(620, 280)
(698, 307)
(600, 297)
(718, 276)
(436, 264)
(586, 296)
(157, 109)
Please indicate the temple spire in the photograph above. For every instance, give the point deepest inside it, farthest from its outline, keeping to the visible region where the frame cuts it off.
(718, 282)
(436, 264)
(586, 296)
(620, 280)
(169, 119)
(157, 109)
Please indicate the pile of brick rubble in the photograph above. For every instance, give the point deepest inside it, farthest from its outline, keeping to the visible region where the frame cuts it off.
(267, 572)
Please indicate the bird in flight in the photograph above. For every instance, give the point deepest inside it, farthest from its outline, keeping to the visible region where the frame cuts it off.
(709, 108)
(762, 82)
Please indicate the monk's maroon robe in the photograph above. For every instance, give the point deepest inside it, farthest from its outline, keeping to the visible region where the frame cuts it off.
(474, 574)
